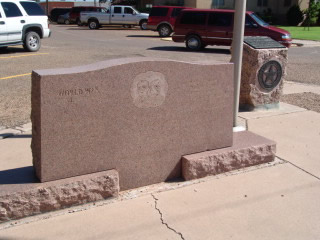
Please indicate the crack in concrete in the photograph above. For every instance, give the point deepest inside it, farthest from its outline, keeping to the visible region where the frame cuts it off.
(161, 218)
(296, 166)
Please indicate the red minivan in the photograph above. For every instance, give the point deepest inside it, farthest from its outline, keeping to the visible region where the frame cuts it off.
(199, 28)
(163, 18)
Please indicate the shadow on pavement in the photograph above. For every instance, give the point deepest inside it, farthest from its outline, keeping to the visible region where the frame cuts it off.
(143, 36)
(104, 28)
(15, 136)
(184, 49)
(22, 175)
(10, 50)
(20, 136)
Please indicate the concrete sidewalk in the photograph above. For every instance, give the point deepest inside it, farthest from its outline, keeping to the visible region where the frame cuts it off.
(270, 201)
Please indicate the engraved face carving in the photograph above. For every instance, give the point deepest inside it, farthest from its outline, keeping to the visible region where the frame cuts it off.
(149, 89)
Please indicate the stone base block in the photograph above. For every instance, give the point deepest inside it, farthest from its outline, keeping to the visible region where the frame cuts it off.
(248, 149)
(22, 197)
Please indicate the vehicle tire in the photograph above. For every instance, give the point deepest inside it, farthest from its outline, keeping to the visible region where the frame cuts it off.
(164, 30)
(67, 21)
(93, 24)
(193, 43)
(143, 24)
(32, 42)
(78, 22)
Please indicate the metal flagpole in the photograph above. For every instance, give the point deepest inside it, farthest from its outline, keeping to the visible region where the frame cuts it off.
(237, 49)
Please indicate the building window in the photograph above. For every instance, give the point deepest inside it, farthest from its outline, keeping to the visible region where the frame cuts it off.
(218, 3)
(287, 3)
(262, 3)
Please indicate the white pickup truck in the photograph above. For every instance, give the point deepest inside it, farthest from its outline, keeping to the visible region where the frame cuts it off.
(115, 15)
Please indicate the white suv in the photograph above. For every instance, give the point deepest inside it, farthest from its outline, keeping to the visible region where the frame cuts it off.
(22, 22)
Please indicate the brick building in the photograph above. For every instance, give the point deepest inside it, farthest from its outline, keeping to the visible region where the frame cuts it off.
(277, 8)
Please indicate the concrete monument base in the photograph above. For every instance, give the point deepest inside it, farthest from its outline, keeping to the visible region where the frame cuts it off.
(24, 196)
(21, 194)
(248, 149)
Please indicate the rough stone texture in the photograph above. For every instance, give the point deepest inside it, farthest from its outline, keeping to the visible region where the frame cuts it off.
(248, 149)
(26, 199)
(139, 116)
(251, 93)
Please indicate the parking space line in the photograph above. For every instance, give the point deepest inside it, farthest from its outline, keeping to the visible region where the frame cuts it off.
(15, 76)
(26, 55)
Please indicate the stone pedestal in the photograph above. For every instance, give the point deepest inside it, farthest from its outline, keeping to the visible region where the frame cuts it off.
(263, 72)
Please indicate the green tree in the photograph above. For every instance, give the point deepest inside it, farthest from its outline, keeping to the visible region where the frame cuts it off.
(312, 13)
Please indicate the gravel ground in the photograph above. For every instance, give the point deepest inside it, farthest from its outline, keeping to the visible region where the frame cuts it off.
(15, 102)
(308, 100)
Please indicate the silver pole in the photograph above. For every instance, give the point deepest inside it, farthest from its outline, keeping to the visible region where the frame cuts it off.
(237, 49)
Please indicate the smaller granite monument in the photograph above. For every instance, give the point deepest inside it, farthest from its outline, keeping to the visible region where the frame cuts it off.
(263, 70)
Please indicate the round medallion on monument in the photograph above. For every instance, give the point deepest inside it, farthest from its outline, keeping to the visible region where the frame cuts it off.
(149, 89)
(270, 75)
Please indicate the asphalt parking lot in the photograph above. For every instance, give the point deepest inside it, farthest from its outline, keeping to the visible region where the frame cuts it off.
(71, 45)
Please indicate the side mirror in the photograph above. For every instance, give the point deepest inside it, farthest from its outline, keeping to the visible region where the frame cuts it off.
(134, 13)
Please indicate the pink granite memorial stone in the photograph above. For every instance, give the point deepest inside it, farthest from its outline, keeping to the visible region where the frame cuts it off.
(136, 115)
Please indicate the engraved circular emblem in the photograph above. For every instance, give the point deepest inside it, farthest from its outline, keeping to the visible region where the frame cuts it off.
(270, 75)
(149, 89)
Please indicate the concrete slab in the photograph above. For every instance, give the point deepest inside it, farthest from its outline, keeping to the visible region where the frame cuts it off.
(241, 122)
(297, 136)
(273, 203)
(293, 87)
(279, 202)
(15, 152)
(136, 219)
(284, 108)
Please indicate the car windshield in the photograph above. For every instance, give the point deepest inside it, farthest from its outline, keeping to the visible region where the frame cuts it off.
(259, 20)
